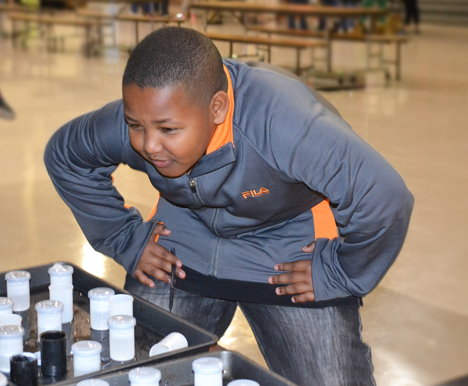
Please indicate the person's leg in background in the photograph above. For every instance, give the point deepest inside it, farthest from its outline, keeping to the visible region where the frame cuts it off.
(210, 314)
(6, 111)
(322, 20)
(302, 19)
(164, 7)
(319, 346)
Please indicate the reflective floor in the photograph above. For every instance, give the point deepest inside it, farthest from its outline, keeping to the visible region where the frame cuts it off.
(416, 321)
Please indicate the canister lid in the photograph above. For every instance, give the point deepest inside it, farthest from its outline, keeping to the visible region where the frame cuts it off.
(243, 382)
(207, 365)
(144, 375)
(60, 269)
(121, 322)
(92, 382)
(3, 380)
(18, 276)
(11, 332)
(101, 293)
(10, 320)
(5, 303)
(86, 348)
(49, 306)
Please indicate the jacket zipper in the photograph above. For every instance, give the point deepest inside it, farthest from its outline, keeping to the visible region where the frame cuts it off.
(193, 188)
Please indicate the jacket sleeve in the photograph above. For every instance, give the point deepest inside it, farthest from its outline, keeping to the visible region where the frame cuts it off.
(368, 198)
(80, 158)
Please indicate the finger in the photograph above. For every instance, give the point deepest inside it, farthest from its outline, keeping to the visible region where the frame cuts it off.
(290, 277)
(295, 266)
(143, 279)
(160, 253)
(160, 228)
(302, 298)
(154, 271)
(293, 289)
(309, 248)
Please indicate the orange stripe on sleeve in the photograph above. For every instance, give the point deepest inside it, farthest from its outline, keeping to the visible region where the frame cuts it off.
(324, 222)
(155, 208)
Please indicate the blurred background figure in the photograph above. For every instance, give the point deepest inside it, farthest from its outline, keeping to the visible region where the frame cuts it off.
(302, 20)
(411, 15)
(161, 6)
(6, 112)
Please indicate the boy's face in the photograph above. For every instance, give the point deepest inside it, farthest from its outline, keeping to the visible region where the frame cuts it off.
(167, 128)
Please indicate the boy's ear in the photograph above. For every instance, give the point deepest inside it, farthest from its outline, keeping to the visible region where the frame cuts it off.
(219, 106)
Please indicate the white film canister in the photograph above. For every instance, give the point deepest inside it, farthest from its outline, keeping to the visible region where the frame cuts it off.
(173, 341)
(11, 343)
(6, 306)
(86, 357)
(243, 382)
(100, 307)
(49, 316)
(121, 304)
(3, 380)
(208, 371)
(18, 289)
(144, 376)
(92, 382)
(122, 337)
(63, 293)
(61, 273)
(10, 320)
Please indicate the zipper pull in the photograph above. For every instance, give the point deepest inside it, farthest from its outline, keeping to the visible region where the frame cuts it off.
(193, 185)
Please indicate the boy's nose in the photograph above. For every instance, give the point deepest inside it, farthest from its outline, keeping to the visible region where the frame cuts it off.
(152, 144)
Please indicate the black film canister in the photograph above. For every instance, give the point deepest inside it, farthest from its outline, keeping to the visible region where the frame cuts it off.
(53, 353)
(23, 369)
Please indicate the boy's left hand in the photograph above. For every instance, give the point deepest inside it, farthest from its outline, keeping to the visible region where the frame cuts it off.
(299, 278)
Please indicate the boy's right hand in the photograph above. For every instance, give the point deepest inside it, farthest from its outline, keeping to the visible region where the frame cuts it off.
(157, 261)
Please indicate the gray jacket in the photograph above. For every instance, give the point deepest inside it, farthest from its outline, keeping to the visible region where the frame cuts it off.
(247, 205)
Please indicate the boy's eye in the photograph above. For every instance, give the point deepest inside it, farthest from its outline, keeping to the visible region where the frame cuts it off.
(168, 130)
(135, 126)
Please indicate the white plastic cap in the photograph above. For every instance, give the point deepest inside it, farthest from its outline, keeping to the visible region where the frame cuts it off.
(101, 293)
(144, 376)
(11, 332)
(6, 303)
(60, 269)
(86, 348)
(10, 320)
(121, 322)
(49, 306)
(18, 276)
(207, 365)
(92, 382)
(243, 382)
(3, 380)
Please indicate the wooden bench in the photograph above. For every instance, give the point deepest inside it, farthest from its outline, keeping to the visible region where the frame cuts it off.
(150, 19)
(101, 17)
(298, 45)
(5, 9)
(369, 39)
(50, 21)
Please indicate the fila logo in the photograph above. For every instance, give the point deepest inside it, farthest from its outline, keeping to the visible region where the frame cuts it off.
(253, 193)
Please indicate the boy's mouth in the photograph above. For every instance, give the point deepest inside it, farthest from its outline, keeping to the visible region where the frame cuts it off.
(161, 164)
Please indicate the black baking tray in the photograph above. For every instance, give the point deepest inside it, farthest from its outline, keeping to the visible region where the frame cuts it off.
(153, 323)
(178, 372)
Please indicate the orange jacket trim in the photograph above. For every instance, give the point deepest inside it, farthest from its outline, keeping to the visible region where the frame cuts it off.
(223, 133)
(324, 221)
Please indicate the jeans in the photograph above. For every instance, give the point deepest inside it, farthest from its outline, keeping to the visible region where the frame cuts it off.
(319, 346)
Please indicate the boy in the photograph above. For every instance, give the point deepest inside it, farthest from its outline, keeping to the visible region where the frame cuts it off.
(246, 162)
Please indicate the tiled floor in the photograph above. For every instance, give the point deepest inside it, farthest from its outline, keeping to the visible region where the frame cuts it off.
(416, 320)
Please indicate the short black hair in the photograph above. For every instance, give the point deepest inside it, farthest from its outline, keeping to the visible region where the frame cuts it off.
(174, 56)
